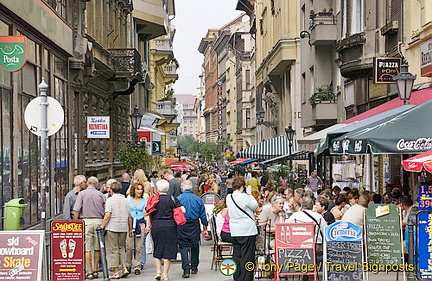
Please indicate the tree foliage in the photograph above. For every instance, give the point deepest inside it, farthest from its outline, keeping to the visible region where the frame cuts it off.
(134, 156)
(209, 151)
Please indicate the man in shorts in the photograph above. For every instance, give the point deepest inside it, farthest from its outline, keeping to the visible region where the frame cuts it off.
(90, 206)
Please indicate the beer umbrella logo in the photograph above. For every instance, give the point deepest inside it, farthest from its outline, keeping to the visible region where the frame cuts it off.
(228, 267)
(12, 52)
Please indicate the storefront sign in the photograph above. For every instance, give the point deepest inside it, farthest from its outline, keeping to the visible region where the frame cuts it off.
(425, 197)
(295, 249)
(98, 127)
(156, 148)
(426, 59)
(385, 69)
(144, 136)
(343, 246)
(67, 250)
(21, 255)
(12, 52)
(424, 249)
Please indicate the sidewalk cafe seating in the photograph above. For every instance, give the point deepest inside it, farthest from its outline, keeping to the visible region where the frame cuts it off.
(221, 250)
(264, 251)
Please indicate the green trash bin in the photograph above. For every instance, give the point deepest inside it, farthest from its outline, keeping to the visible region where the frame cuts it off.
(15, 214)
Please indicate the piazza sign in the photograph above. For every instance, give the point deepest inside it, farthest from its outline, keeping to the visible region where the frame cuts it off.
(12, 52)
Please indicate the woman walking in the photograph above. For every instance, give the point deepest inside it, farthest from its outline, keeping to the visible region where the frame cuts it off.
(134, 244)
(117, 222)
(163, 228)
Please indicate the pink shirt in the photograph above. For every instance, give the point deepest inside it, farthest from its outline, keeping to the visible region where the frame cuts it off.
(226, 226)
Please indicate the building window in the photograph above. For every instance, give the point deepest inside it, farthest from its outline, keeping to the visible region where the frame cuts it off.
(248, 79)
(357, 17)
(248, 118)
(185, 129)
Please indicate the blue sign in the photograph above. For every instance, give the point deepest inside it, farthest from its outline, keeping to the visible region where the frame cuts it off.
(343, 231)
(424, 251)
(425, 197)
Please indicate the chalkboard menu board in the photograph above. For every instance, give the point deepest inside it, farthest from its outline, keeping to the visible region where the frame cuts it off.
(295, 248)
(383, 234)
(343, 253)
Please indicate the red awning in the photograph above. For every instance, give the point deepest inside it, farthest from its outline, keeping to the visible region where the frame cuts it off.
(418, 162)
(417, 97)
(238, 161)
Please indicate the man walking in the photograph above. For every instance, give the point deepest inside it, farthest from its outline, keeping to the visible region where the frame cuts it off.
(189, 233)
(90, 206)
(174, 185)
(80, 183)
(314, 182)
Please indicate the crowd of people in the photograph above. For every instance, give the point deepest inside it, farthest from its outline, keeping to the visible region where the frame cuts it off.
(139, 206)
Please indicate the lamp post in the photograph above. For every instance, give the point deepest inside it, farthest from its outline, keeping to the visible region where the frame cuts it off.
(404, 82)
(135, 118)
(179, 152)
(290, 135)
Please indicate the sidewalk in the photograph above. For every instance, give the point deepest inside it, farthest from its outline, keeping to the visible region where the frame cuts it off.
(204, 271)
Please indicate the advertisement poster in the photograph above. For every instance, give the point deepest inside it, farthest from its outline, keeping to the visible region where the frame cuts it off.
(424, 240)
(67, 250)
(21, 255)
(295, 249)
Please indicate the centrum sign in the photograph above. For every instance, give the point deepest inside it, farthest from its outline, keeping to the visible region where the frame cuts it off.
(12, 52)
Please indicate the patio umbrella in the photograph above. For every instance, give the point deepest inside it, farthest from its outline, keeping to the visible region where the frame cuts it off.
(418, 162)
(406, 133)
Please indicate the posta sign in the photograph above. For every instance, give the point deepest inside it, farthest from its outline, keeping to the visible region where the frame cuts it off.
(12, 52)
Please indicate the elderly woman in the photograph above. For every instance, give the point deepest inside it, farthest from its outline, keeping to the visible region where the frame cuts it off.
(117, 222)
(241, 207)
(164, 229)
(135, 243)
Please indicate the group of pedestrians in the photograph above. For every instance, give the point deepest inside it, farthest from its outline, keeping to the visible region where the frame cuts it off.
(131, 209)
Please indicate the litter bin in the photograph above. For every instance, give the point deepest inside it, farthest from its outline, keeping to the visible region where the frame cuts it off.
(15, 214)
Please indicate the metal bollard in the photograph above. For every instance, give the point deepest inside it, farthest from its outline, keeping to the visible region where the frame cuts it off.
(101, 238)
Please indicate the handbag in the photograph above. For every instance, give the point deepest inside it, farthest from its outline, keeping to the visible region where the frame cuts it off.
(258, 229)
(179, 217)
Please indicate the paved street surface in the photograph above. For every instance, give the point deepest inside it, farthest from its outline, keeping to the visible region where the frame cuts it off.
(205, 273)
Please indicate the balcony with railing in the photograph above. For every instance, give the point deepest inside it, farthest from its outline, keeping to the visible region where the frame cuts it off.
(166, 108)
(127, 70)
(323, 28)
(171, 72)
(324, 106)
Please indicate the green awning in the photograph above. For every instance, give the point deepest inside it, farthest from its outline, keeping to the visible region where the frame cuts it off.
(405, 133)
(269, 149)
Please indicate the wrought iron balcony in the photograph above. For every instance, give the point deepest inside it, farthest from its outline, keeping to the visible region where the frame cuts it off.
(126, 60)
(322, 97)
(127, 70)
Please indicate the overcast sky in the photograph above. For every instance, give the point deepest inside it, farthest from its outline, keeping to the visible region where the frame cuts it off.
(193, 19)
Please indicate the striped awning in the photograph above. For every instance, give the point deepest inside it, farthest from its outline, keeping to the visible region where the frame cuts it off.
(269, 149)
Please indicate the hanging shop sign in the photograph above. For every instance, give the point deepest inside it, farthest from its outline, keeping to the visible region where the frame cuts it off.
(385, 69)
(98, 127)
(12, 52)
(426, 59)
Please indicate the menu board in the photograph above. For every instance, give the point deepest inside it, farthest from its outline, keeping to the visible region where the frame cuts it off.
(295, 248)
(425, 197)
(424, 251)
(383, 234)
(343, 252)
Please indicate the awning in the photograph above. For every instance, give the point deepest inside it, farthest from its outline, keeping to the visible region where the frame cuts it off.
(324, 144)
(316, 137)
(418, 162)
(300, 155)
(417, 97)
(269, 149)
(238, 161)
(181, 166)
(405, 133)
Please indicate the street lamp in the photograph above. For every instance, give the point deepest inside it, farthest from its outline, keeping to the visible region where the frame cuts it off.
(135, 118)
(290, 132)
(179, 152)
(404, 82)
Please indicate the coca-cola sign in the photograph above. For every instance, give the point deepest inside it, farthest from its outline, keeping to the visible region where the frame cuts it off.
(419, 144)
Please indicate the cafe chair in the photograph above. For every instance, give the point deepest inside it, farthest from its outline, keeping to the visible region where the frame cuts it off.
(221, 250)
